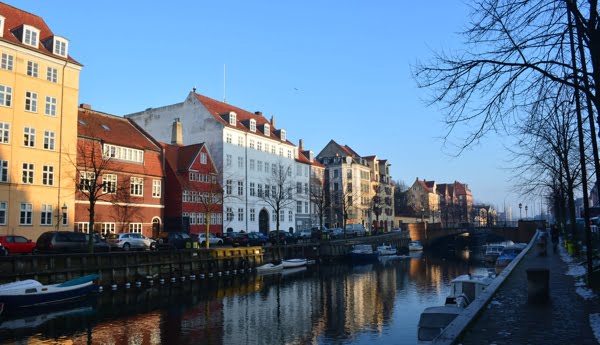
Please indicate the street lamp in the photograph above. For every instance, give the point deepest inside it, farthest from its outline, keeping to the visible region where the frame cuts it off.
(525, 211)
(520, 205)
(62, 215)
(422, 214)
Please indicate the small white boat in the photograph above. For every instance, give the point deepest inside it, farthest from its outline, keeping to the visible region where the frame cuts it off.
(292, 263)
(492, 251)
(386, 249)
(269, 268)
(415, 246)
(466, 288)
(433, 321)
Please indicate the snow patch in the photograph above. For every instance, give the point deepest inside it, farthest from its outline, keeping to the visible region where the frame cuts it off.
(585, 293)
(575, 270)
(595, 324)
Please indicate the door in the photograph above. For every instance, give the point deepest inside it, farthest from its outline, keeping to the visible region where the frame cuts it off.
(263, 221)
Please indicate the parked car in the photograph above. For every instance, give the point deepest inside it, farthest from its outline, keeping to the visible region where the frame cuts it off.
(236, 239)
(320, 233)
(304, 234)
(3, 250)
(355, 230)
(257, 239)
(127, 241)
(175, 240)
(17, 244)
(212, 239)
(284, 237)
(68, 242)
(337, 233)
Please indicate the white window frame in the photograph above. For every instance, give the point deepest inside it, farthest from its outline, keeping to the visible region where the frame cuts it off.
(49, 140)
(31, 99)
(156, 188)
(228, 187)
(27, 173)
(252, 189)
(3, 212)
(267, 130)
(26, 214)
(290, 216)
(107, 228)
(240, 162)
(29, 137)
(5, 96)
(52, 74)
(60, 46)
(136, 228)
(240, 214)
(228, 159)
(4, 171)
(31, 36)
(83, 227)
(50, 108)
(46, 215)
(252, 215)
(136, 186)
(2, 21)
(65, 215)
(232, 118)
(203, 158)
(230, 214)
(240, 187)
(48, 175)
(85, 180)
(228, 138)
(252, 125)
(282, 135)
(241, 141)
(32, 69)
(7, 62)
(109, 183)
(4, 133)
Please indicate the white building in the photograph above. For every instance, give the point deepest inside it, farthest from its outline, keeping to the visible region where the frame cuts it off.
(246, 149)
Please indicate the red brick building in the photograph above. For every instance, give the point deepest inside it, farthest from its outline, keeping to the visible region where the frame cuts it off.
(194, 196)
(119, 168)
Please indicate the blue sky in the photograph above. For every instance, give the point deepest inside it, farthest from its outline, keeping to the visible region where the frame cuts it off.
(326, 69)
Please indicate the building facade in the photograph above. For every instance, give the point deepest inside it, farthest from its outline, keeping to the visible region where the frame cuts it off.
(248, 151)
(423, 200)
(120, 170)
(39, 89)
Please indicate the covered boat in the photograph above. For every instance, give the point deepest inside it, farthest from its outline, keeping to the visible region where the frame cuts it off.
(386, 249)
(292, 263)
(269, 268)
(466, 288)
(415, 246)
(363, 253)
(434, 320)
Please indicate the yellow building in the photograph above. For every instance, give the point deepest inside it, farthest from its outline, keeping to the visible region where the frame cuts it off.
(39, 89)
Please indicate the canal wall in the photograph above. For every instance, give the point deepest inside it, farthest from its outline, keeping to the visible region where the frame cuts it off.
(149, 267)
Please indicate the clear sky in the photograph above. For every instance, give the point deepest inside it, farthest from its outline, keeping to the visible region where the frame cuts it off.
(326, 69)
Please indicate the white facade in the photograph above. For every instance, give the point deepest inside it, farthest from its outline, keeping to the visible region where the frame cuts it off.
(244, 153)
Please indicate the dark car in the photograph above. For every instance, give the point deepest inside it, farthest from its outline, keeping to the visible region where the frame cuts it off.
(68, 242)
(257, 239)
(17, 244)
(236, 239)
(175, 240)
(284, 237)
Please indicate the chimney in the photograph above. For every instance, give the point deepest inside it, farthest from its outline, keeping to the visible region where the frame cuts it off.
(273, 121)
(176, 133)
(258, 113)
(301, 145)
(85, 106)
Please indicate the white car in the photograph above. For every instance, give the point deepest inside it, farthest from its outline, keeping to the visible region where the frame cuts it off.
(212, 239)
(131, 240)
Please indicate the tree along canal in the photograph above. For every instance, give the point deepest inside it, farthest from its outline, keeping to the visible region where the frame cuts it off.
(322, 304)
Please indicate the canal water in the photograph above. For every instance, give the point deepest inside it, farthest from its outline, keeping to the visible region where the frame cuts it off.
(323, 304)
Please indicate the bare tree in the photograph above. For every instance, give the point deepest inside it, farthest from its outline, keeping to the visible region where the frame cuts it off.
(210, 201)
(377, 203)
(344, 204)
(280, 191)
(318, 198)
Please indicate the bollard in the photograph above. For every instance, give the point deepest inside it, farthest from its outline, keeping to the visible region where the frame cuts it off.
(538, 281)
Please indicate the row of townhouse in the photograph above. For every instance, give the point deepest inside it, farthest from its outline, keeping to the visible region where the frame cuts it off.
(447, 203)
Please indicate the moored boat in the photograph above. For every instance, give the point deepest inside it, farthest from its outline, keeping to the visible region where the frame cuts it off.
(508, 255)
(433, 321)
(492, 251)
(386, 249)
(415, 246)
(31, 293)
(466, 288)
(269, 268)
(363, 253)
(292, 263)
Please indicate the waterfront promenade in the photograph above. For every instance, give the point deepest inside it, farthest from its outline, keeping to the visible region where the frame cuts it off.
(564, 319)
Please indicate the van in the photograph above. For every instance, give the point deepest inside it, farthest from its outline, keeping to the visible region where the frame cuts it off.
(355, 230)
(68, 242)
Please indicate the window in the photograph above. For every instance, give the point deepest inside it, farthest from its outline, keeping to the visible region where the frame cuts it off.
(266, 147)
(31, 101)
(274, 216)
(202, 218)
(4, 133)
(2, 20)
(65, 215)
(281, 215)
(240, 162)
(259, 146)
(240, 214)
(259, 165)
(60, 47)
(135, 227)
(240, 140)
(3, 213)
(267, 167)
(48, 175)
(290, 216)
(46, 215)
(252, 215)
(49, 140)
(192, 218)
(228, 138)
(273, 149)
(52, 74)
(299, 187)
(228, 160)
(156, 188)
(123, 153)
(260, 190)
(252, 189)
(27, 173)
(232, 118)
(252, 125)
(3, 171)
(299, 206)
(229, 214)
(306, 188)
(32, 69)
(229, 187)
(281, 151)
(251, 143)
(267, 130)
(282, 135)
(202, 158)
(29, 137)
(137, 186)
(86, 180)
(306, 207)
(26, 215)
(267, 191)
(30, 36)
(274, 190)
(50, 106)
(252, 164)
(7, 62)
(5, 95)
(109, 183)
(83, 227)
(240, 187)
(107, 228)
(273, 169)
(185, 196)
(289, 154)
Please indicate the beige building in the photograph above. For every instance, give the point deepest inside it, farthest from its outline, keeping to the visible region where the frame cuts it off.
(39, 89)
(382, 194)
(423, 200)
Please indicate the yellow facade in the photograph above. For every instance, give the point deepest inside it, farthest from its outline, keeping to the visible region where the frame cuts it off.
(42, 197)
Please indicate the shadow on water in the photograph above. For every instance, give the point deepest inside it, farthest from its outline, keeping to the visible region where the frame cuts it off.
(324, 304)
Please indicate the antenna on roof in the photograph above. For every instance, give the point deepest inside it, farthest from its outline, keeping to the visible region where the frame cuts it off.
(224, 84)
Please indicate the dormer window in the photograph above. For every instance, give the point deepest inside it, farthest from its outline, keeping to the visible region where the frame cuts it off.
(267, 130)
(252, 125)
(61, 46)
(282, 135)
(232, 118)
(31, 36)
(2, 20)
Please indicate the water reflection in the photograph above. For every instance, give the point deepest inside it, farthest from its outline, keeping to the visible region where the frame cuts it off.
(327, 304)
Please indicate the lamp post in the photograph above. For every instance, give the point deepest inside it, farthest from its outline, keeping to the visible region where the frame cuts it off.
(520, 205)
(525, 211)
(62, 215)
(422, 214)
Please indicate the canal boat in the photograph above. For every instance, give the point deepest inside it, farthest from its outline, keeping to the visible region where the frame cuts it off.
(466, 288)
(492, 251)
(415, 246)
(386, 249)
(508, 255)
(363, 253)
(270, 268)
(433, 321)
(31, 293)
(293, 263)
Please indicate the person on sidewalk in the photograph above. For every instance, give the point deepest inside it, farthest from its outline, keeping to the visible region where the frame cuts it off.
(554, 234)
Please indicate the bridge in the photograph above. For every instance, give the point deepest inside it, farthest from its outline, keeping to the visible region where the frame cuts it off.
(428, 234)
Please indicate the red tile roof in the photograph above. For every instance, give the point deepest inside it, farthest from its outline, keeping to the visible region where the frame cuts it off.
(16, 18)
(217, 109)
(113, 130)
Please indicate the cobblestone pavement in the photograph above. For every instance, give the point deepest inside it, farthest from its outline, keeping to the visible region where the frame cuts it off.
(510, 319)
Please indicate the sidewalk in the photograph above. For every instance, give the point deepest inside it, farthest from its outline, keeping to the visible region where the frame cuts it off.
(510, 319)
